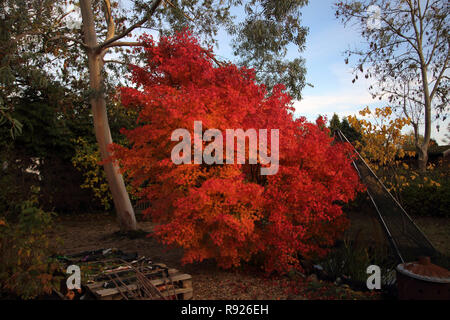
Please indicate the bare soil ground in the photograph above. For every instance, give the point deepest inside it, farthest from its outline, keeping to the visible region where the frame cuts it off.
(77, 233)
(437, 231)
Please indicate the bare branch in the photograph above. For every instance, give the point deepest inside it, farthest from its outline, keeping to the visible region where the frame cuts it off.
(182, 12)
(84, 45)
(116, 61)
(109, 20)
(108, 43)
(125, 44)
(211, 56)
(439, 78)
(413, 20)
(396, 31)
(436, 43)
(60, 19)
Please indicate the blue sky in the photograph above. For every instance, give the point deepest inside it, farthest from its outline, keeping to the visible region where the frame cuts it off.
(333, 90)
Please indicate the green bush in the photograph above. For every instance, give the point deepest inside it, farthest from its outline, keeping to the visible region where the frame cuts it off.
(425, 199)
(349, 260)
(25, 269)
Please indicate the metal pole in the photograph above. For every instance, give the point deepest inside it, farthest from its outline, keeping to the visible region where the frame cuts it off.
(395, 200)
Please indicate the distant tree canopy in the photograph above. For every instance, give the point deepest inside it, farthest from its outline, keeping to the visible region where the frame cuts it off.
(335, 124)
(263, 38)
(350, 132)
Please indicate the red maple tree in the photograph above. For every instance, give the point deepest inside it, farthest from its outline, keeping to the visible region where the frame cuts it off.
(230, 212)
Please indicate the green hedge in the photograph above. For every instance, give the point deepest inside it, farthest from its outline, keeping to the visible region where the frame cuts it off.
(428, 200)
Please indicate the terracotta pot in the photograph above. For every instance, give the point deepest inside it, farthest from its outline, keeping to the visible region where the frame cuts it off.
(422, 280)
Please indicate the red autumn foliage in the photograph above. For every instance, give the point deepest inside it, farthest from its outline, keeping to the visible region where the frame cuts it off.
(230, 212)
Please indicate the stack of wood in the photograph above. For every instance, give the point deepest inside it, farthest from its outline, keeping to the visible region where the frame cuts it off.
(110, 277)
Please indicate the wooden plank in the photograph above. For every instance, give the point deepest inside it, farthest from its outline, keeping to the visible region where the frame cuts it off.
(99, 284)
(180, 292)
(156, 282)
(189, 294)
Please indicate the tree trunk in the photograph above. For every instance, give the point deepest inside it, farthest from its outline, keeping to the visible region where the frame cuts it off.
(423, 150)
(423, 147)
(422, 158)
(122, 203)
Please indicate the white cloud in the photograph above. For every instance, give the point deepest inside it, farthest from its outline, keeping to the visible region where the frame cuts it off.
(348, 98)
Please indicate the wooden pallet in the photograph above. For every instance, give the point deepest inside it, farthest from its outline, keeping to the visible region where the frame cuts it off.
(177, 285)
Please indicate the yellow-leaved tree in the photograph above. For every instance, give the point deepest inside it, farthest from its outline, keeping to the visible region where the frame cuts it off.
(381, 146)
(87, 161)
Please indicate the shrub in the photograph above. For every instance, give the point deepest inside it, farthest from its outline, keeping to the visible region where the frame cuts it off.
(380, 145)
(25, 269)
(350, 259)
(87, 161)
(428, 194)
(230, 212)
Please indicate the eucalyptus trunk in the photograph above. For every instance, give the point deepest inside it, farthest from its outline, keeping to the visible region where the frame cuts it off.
(121, 199)
(423, 147)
